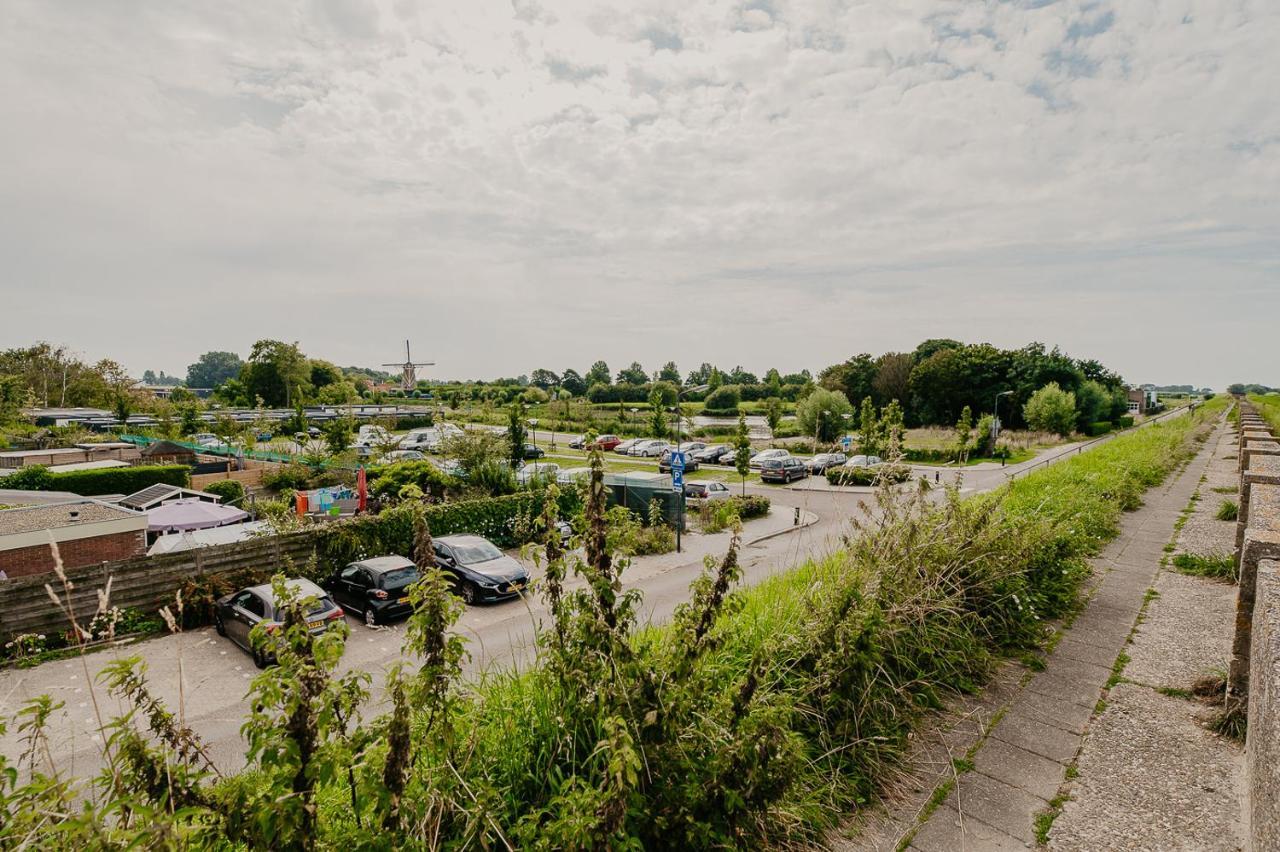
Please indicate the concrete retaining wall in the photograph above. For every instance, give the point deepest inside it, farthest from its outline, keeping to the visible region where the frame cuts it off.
(1253, 680)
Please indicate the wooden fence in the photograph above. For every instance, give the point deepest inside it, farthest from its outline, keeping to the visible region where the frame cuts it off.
(145, 582)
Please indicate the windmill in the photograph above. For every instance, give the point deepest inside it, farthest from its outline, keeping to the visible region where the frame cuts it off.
(409, 369)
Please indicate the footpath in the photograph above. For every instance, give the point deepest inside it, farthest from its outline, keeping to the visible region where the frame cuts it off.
(1069, 738)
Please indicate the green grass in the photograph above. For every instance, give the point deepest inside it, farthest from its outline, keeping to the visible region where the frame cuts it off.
(1227, 511)
(1219, 566)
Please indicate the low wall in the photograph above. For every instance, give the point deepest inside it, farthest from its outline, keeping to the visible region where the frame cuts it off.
(1253, 679)
(1263, 744)
(145, 582)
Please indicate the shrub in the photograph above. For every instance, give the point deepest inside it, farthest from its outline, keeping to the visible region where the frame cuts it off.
(387, 480)
(1101, 427)
(230, 490)
(892, 474)
(1125, 421)
(810, 416)
(294, 476)
(1051, 409)
(723, 400)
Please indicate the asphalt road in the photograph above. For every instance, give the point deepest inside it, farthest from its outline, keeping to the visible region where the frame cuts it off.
(204, 677)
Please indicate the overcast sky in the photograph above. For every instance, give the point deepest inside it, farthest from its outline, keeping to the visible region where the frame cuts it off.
(519, 184)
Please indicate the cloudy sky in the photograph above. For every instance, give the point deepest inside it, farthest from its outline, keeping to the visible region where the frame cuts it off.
(515, 184)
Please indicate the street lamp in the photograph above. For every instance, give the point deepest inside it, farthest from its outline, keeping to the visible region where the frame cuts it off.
(533, 425)
(995, 418)
(680, 440)
(633, 414)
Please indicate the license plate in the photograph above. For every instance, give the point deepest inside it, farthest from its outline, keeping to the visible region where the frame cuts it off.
(515, 587)
(314, 624)
(402, 600)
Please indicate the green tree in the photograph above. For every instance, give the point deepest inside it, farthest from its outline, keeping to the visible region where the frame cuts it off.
(338, 393)
(213, 368)
(573, 383)
(893, 377)
(14, 395)
(1093, 403)
(868, 428)
(853, 378)
(278, 372)
(964, 433)
(714, 380)
(893, 431)
(338, 433)
(322, 373)
(742, 451)
(633, 375)
(723, 398)
(657, 414)
(598, 375)
(1051, 409)
(544, 379)
(773, 413)
(516, 432)
(821, 413)
(669, 373)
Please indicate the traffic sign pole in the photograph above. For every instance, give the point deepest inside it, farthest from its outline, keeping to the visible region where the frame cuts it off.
(677, 485)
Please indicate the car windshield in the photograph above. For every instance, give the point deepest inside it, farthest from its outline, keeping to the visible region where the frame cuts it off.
(399, 577)
(480, 551)
(772, 463)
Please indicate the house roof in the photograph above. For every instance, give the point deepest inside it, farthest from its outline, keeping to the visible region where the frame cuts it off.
(154, 495)
(57, 516)
(167, 448)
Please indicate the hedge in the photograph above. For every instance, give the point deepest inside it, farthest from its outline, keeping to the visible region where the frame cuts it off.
(866, 475)
(1100, 427)
(111, 480)
(752, 506)
(506, 521)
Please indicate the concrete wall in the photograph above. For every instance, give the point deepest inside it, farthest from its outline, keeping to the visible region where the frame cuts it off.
(1253, 680)
(1262, 746)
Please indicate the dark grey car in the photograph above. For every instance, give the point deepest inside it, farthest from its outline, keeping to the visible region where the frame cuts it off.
(481, 572)
(239, 612)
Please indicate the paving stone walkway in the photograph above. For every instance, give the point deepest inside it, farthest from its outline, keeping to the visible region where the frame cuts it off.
(1028, 727)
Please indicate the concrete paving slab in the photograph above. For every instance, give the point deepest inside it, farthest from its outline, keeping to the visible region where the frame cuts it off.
(1075, 648)
(1019, 768)
(1002, 806)
(948, 831)
(1186, 607)
(1023, 730)
(1067, 715)
(1082, 691)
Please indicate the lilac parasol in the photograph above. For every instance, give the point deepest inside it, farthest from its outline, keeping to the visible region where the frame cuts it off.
(192, 515)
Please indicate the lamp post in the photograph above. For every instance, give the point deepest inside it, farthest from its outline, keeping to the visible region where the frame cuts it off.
(633, 414)
(680, 440)
(817, 427)
(533, 427)
(995, 418)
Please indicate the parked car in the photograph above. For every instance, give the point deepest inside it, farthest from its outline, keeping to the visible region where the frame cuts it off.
(425, 440)
(263, 436)
(711, 454)
(578, 443)
(537, 470)
(607, 442)
(624, 447)
(765, 455)
(706, 491)
(313, 431)
(203, 438)
(238, 613)
(480, 571)
(864, 461)
(533, 451)
(730, 457)
(783, 470)
(649, 449)
(822, 461)
(377, 588)
(572, 475)
(403, 455)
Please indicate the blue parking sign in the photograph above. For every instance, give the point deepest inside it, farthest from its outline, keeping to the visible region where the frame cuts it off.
(677, 471)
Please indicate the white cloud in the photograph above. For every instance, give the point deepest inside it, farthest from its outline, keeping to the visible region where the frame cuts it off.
(529, 184)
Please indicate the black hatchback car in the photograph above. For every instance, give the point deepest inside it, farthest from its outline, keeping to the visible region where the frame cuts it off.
(481, 572)
(239, 612)
(783, 470)
(377, 588)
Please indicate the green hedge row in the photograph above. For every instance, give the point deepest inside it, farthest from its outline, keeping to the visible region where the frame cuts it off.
(1101, 427)
(506, 521)
(866, 475)
(91, 483)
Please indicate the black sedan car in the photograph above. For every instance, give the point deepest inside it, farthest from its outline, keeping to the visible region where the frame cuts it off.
(783, 470)
(481, 572)
(378, 588)
(712, 454)
(239, 612)
(532, 451)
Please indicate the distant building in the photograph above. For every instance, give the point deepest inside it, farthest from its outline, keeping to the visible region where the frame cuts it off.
(86, 531)
(168, 452)
(1142, 400)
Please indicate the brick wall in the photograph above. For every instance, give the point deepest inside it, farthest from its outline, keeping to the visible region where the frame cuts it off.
(26, 561)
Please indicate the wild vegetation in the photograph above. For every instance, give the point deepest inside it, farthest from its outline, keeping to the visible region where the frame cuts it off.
(756, 716)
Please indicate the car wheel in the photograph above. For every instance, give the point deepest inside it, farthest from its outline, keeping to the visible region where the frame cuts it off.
(218, 625)
(259, 658)
(370, 617)
(469, 593)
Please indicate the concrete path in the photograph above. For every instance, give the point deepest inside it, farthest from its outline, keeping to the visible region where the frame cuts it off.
(997, 761)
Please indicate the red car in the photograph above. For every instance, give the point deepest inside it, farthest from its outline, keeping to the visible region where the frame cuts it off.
(606, 442)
